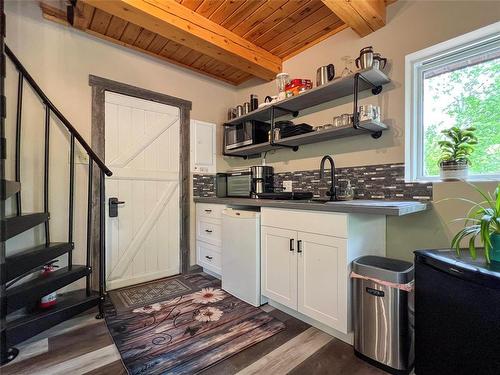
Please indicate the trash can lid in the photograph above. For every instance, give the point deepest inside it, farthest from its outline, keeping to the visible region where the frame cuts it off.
(386, 269)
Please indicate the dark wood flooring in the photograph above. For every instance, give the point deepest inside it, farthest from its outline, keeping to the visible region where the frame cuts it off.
(84, 346)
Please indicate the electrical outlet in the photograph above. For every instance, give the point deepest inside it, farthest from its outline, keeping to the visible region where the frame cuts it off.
(287, 185)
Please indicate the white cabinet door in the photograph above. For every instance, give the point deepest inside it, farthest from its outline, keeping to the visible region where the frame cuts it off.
(322, 279)
(203, 152)
(279, 265)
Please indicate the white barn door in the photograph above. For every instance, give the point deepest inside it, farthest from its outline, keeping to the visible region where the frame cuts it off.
(142, 150)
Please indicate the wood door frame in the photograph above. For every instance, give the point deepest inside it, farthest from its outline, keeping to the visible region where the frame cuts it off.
(99, 87)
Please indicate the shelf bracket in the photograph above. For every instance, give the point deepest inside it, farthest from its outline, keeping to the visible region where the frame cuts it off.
(376, 89)
(293, 113)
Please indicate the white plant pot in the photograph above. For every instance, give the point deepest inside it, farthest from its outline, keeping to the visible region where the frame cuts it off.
(453, 170)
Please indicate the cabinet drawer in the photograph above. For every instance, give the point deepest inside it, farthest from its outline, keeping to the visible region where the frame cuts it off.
(208, 210)
(325, 223)
(208, 256)
(209, 231)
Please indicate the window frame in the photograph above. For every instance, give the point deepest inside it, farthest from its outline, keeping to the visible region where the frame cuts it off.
(467, 45)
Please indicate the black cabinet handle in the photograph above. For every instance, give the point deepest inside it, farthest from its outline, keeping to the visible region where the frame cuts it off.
(208, 257)
(299, 246)
(208, 230)
(208, 211)
(291, 244)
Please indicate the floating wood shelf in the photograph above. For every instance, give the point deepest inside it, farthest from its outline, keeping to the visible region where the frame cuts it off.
(365, 127)
(335, 89)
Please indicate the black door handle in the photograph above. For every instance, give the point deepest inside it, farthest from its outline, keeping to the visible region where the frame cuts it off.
(291, 244)
(208, 230)
(299, 246)
(113, 206)
(208, 257)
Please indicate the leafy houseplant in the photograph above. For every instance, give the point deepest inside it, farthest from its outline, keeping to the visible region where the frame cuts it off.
(484, 218)
(455, 151)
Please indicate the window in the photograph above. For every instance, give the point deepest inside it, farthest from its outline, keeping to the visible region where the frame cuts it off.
(455, 83)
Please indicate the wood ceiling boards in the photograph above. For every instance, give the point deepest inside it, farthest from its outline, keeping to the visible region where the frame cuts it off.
(231, 40)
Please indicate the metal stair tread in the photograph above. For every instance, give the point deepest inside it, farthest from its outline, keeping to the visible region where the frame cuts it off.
(26, 260)
(14, 225)
(8, 188)
(29, 292)
(68, 305)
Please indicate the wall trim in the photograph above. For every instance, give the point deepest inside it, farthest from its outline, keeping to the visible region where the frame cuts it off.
(99, 87)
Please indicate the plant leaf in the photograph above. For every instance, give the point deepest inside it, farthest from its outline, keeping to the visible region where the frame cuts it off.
(472, 247)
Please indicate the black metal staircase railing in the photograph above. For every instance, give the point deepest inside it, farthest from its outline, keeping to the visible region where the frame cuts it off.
(14, 268)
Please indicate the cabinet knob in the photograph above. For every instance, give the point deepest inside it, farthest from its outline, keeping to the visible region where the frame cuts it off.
(291, 244)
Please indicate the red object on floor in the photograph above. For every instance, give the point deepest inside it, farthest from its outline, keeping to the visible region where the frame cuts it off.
(50, 299)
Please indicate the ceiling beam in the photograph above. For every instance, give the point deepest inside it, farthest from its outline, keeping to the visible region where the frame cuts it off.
(178, 23)
(363, 16)
(59, 16)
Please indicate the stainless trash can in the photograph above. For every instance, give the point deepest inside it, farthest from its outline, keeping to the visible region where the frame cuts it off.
(383, 315)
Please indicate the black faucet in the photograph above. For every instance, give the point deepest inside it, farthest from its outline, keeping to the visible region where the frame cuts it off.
(333, 192)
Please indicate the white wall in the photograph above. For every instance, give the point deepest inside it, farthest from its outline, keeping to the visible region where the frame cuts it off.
(61, 59)
(411, 26)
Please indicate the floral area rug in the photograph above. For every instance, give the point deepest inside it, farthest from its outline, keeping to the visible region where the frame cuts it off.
(187, 333)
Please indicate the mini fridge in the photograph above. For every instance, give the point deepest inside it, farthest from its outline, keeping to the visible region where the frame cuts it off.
(241, 254)
(457, 314)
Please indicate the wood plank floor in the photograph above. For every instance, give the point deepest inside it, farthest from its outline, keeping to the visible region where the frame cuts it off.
(83, 346)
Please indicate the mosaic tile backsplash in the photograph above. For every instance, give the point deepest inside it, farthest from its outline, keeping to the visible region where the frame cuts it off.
(384, 181)
(204, 185)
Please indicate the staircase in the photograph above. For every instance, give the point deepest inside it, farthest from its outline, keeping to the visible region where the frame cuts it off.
(20, 316)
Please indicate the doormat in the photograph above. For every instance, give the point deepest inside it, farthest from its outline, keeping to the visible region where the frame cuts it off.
(188, 333)
(149, 293)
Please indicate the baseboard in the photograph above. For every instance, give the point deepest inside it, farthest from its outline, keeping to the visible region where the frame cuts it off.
(211, 273)
(347, 338)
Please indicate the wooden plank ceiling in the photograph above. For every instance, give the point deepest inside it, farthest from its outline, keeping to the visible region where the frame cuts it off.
(233, 40)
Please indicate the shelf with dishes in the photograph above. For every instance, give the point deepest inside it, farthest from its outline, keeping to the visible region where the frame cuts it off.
(325, 134)
(338, 88)
(315, 136)
(262, 129)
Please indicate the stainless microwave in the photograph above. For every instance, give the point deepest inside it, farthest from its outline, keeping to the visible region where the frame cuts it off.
(245, 134)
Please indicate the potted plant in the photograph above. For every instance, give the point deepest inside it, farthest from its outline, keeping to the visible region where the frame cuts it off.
(455, 151)
(484, 220)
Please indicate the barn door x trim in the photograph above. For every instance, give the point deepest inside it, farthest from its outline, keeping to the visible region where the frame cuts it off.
(99, 87)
